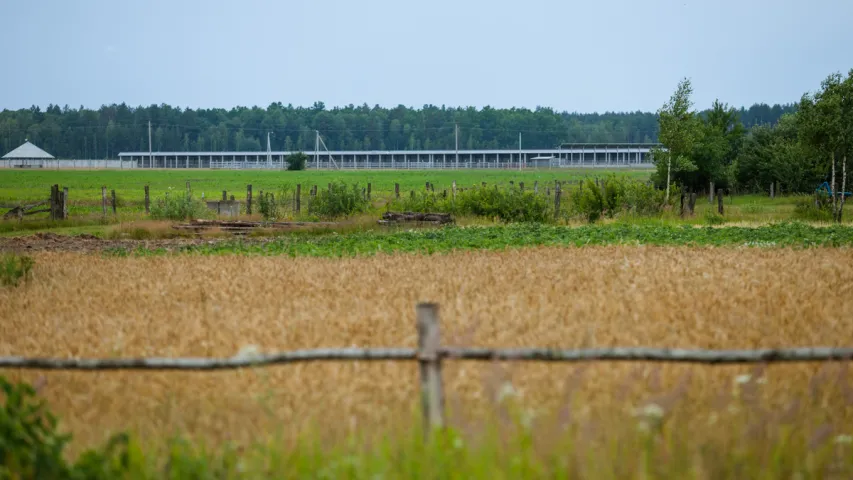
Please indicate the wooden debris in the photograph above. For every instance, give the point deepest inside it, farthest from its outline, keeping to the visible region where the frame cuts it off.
(22, 210)
(390, 218)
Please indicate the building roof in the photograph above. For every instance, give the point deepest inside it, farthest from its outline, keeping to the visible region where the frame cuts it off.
(27, 151)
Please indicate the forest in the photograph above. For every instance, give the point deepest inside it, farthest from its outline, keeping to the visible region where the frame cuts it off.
(84, 133)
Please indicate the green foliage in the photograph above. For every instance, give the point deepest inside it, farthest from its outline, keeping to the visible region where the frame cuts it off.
(679, 130)
(268, 206)
(817, 208)
(179, 206)
(14, 268)
(506, 205)
(615, 195)
(714, 218)
(297, 161)
(339, 200)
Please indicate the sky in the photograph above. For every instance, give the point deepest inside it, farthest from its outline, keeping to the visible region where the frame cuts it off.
(576, 56)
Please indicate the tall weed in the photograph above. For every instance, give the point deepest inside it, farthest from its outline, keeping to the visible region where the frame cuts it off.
(179, 206)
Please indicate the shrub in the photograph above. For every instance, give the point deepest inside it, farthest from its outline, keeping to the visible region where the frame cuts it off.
(338, 201)
(297, 161)
(588, 201)
(268, 207)
(507, 205)
(179, 206)
(617, 195)
(814, 208)
(14, 268)
(714, 218)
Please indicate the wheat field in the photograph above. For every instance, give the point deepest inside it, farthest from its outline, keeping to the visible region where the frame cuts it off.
(92, 306)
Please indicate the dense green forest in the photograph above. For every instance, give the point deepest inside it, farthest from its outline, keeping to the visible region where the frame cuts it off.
(103, 133)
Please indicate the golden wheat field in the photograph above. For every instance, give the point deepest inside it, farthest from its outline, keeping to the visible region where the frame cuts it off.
(93, 306)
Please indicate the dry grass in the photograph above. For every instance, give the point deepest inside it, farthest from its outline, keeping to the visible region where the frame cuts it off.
(82, 305)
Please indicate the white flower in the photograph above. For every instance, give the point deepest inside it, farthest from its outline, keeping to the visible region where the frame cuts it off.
(506, 391)
(741, 379)
(651, 410)
(844, 439)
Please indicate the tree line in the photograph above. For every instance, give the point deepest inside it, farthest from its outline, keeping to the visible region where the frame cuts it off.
(102, 133)
(808, 145)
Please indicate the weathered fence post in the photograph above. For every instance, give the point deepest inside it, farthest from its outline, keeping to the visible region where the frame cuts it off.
(429, 360)
(426, 185)
(557, 192)
(64, 203)
(397, 190)
(454, 189)
(711, 194)
(53, 201)
(720, 201)
(772, 193)
(369, 189)
(484, 184)
(148, 201)
(521, 187)
(113, 193)
(248, 199)
(683, 204)
(412, 194)
(224, 196)
(104, 199)
(692, 203)
(189, 190)
(298, 197)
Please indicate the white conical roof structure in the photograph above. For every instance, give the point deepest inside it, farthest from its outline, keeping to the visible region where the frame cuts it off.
(27, 151)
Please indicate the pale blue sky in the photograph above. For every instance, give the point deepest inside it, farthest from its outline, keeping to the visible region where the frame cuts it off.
(584, 56)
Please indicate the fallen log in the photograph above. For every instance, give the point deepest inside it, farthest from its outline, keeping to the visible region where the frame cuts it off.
(438, 218)
(21, 210)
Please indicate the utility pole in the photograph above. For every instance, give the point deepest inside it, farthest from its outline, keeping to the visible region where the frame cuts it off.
(150, 161)
(519, 151)
(317, 150)
(269, 151)
(457, 145)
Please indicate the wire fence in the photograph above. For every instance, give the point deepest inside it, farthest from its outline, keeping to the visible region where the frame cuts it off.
(429, 354)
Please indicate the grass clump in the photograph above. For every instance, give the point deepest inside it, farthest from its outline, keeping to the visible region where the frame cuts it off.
(178, 206)
(14, 268)
(815, 209)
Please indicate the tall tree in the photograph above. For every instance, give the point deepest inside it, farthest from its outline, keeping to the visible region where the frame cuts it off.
(678, 131)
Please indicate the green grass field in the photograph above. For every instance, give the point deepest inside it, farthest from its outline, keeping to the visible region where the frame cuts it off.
(85, 185)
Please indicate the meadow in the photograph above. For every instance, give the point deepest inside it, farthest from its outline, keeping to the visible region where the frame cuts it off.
(359, 420)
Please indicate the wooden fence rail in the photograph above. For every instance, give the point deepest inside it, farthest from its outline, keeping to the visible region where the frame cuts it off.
(430, 354)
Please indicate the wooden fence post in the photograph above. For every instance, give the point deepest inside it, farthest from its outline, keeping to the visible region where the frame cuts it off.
(189, 190)
(521, 187)
(720, 201)
(298, 197)
(397, 190)
(114, 201)
(454, 189)
(369, 190)
(711, 194)
(104, 199)
(557, 192)
(429, 360)
(64, 203)
(772, 193)
(248, 199)
(148, 201)
(692, 203)
(484, 184)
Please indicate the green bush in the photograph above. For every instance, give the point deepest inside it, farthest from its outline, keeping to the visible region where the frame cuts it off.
(507, 205)
(338, 201)
(588, 201)
(14, 268)
(268, 207)
(714, 218)
(179, 206)
(618, 195)
(297, 161)
(814, 208)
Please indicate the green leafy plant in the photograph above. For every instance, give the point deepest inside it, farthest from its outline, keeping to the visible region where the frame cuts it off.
(268, 207)
(179, 206)
(15, 268)
(339, 200)
(817, 208)
(297, 161)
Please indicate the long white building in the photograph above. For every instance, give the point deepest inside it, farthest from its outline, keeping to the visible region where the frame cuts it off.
(566, 155)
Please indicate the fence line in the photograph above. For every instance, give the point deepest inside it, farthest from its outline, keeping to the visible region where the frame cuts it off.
(430, 354)
(622, 354)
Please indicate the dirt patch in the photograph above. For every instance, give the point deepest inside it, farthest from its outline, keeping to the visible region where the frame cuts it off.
(86, 243)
